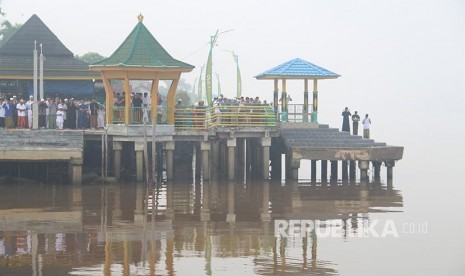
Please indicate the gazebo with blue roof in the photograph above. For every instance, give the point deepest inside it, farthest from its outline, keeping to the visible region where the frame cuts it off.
(297, 69)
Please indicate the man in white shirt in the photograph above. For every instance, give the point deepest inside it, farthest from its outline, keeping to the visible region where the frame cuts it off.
(22, 117)
(366, 127)
(29, 104)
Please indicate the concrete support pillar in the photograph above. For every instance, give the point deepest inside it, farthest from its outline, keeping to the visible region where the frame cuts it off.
(295, 165)
(75, 170)
(333, 177)
(198, 161)
(352, 171)
(231, 216)
(313, 171)
(377, 171)
(231, 144)
(345, 172)
(205, 148)
(363, 166)
(117, 148)
(266, 144)
(324, 171)
(264, 214)
(169, 213)
(389, 171)
(139, 149)
(205, 209)
(216, 155)
(139, 210)
(169, 146)
(275, 156)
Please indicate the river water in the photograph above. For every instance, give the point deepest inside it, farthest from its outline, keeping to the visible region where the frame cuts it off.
(245, 227)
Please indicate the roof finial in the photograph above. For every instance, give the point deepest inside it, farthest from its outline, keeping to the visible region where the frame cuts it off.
(140, 17)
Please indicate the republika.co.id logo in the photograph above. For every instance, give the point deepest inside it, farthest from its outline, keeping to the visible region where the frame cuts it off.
(336, 228)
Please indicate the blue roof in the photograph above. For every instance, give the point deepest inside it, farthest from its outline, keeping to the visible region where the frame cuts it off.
(297, 69)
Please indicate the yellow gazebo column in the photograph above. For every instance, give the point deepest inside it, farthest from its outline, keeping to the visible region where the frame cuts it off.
(305, 109)
(284, 101)
(275, 96)
(110, 95)
(171, 101)
(154, 99)
(315, 101)
(127, 100)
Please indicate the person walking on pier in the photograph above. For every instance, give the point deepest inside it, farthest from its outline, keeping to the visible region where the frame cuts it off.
(355, 120)
(345, 121)
(366, 127)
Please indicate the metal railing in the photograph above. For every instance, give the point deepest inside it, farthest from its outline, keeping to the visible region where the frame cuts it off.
(295, 113)
(202, 118)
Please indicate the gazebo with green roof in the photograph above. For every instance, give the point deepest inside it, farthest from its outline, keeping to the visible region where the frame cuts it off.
(141, 57)
(297, 69)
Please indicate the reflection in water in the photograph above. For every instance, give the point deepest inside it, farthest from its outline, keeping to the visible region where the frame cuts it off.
(177, 228)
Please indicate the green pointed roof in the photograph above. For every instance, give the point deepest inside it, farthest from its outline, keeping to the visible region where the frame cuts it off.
(141, 49)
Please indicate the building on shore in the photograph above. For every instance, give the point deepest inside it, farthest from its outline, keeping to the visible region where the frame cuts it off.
(63, 74)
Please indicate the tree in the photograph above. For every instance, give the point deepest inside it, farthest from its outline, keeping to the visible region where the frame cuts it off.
(90, 57)
(7, 29)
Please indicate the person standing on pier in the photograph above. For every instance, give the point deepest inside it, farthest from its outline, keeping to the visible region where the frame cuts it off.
(42, 114)
(22, 117)
(82, 115)
(345, 121)
(366, 127)
(29, 104)
(2, 115)
(355, 120)
(93, 113)
(8, 106)
(71, 114)
(52, 114)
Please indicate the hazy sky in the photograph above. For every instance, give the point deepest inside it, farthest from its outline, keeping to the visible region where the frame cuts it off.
(402, 61)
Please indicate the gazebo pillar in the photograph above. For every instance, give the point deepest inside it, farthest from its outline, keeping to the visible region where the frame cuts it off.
(110, 95)
(154, 99)
(284, 101)
(171, 101)
(315, 101)
(127, 100)
(305, 108)
(275, 96)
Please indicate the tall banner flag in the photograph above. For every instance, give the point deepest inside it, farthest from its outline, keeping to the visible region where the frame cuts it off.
(208, 73)
(219, 86)
(238, 73)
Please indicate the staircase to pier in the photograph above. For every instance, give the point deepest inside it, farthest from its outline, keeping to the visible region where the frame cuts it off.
(321, 142)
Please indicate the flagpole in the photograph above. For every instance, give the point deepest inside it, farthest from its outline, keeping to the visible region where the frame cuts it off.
(35, 111)
(208, 77)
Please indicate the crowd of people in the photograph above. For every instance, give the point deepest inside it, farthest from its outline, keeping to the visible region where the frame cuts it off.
(53, 113)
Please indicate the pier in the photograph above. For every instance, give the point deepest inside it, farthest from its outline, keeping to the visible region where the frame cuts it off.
(161, 139)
